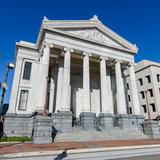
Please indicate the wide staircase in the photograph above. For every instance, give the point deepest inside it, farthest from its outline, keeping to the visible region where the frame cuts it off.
(98, 134)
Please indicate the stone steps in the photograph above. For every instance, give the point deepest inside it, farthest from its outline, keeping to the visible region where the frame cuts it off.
(99, 135)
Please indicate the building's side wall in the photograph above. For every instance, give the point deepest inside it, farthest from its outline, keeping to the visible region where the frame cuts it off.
(24, 55)
(156, 86)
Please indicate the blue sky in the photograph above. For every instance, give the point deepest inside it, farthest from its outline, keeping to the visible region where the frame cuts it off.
(136, 20)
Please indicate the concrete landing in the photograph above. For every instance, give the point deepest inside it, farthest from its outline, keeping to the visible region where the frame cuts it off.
(99, 135)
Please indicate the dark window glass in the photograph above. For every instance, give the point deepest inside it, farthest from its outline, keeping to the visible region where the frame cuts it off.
(27, 70)
(140, 81)
(23, 100)
(148, 78)
(142, 93)
(151, 92)
(144, 108)
(158, 77)
(153, 107)
(129, 98)
(130, 110)
(127, 86)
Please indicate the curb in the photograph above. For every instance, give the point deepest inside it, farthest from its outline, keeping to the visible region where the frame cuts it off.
(75, 151)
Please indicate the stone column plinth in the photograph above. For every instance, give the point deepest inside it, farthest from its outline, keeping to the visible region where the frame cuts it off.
(133, 123)
(140, 121)
(62, 121)
(121, 102)
(106, 121)
(87, 121)
(151, 129)
(42, 130)
(133, 90)
(123, 121)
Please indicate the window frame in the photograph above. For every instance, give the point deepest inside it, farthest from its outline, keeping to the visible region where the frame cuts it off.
(24, 70)
(20, 97)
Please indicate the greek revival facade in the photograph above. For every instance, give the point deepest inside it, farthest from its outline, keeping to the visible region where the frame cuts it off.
(75, 74)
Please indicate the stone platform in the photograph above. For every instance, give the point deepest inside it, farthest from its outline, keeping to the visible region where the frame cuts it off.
(80, 136)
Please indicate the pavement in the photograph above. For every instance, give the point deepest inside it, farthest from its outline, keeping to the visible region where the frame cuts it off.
(29, 149)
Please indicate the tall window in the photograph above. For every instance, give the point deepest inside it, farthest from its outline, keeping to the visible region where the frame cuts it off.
(27, 70)
(129, 98)
(130, 110)
(158, 77)
(148, 78)
(140, 81)
(23, 100)
(153, 107)
(143, 95)
(144, 108)
(151, 92)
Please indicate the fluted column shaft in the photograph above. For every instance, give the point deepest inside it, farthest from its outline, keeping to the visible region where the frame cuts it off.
(106, 93)
(121, 103)
(59, 86)
(43, 77)
(133, 90)
(66, 81)
(51, 92)
(86, 83)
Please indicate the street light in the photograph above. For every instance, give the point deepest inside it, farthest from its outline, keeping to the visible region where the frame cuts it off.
(4, 86)
(149, 115)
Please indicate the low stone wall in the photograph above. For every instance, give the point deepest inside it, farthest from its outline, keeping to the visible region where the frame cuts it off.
(18, 125)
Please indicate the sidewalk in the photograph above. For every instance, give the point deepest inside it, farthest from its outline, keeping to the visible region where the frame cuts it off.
(29, 147)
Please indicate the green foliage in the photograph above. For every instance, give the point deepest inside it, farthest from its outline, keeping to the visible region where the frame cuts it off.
(15, 139)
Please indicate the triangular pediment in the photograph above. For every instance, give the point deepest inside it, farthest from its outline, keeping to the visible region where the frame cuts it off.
(93, 34)
(91, 30)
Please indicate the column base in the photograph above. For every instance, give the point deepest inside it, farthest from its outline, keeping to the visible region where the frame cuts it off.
(123, 121)
(42, 130)
(87, 121)
(62, 121)
(140, 122)
(151, 129)
(133, 123)
(106, 121)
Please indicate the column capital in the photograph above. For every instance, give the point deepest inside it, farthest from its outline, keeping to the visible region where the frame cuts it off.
(65, 49)
(131, 64)
(103, 58)
(50, 45)
(86, 54)
(117, 61)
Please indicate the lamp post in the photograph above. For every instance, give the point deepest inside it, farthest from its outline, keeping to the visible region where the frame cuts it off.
(4, 86)
(149, 115)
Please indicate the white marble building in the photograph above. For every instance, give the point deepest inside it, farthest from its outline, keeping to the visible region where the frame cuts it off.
(75, 66)
(148, 83)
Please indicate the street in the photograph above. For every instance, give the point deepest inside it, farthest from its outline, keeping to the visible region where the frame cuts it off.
(127, 154)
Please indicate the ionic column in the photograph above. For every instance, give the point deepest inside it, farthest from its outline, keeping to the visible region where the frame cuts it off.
(133, 90)
(121, 103)
(51, 91)
(86, 83)
(66, 80)
(59, 86)
(106, 93)
(43, 76)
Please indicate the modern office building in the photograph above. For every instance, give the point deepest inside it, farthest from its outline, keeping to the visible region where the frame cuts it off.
(148, 84)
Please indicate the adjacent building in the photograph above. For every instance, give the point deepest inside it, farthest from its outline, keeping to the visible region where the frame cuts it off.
(148, 84)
